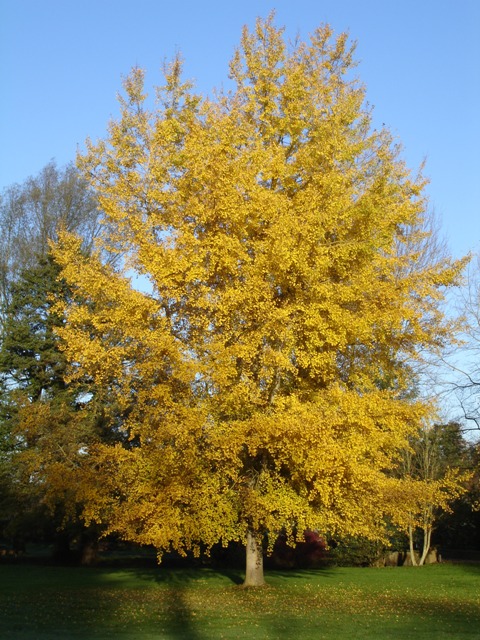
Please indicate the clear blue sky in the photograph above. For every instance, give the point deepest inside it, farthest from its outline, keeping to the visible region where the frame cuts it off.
(62, 61)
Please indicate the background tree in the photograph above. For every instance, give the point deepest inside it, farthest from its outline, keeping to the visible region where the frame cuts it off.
(435, 468)
(32, 213)
(47, 423)
(40, 426)
(462, 376)
(266, 367)
(459, 528)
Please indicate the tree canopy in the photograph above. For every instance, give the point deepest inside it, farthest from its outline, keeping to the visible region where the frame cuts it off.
(31, 214)
(266, 370)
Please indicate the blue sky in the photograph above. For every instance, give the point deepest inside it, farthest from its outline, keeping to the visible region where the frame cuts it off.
(62, 62)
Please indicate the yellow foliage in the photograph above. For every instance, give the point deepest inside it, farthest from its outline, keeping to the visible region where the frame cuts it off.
(265, 374)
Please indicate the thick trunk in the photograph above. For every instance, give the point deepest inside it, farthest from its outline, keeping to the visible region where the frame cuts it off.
(89, 552)
(254, 572)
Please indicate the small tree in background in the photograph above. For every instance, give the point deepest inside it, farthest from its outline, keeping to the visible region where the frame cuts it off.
(434, 468)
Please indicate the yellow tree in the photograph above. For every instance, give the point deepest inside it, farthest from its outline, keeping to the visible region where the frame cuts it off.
(264, 370)
(432, 472)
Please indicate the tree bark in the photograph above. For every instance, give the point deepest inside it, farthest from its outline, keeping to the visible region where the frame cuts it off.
(89, 550)
(412, 550)
(427, 537)
(254, 570)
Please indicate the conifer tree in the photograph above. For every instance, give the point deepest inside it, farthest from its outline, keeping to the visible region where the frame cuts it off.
(45, 431)
(37, 406)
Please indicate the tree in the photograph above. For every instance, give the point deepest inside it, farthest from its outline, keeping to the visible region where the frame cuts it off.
(458, 527)
(32, 213)
(46, 427)
(462, 371)
(433, 468)
(38, 408)
(265, 370)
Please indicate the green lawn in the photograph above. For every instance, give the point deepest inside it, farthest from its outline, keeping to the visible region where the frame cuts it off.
(435, 602)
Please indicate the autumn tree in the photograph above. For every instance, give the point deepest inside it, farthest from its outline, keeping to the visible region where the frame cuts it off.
(266, 366)
(433, 468)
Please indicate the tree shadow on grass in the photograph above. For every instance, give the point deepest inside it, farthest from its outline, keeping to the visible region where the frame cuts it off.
(441, 618)
(472, 567)
(180, 618)
(182, 577)
(180, 606)
(305, 574)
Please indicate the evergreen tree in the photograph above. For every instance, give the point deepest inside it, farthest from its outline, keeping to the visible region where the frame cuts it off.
(47, 423)
(40, 418)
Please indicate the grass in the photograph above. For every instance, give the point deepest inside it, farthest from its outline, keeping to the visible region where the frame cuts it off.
(436, 602)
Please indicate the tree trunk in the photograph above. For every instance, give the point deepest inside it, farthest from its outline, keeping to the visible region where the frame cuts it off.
(412, 551)
(254, 571)
(88, 551)
(427, 537)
